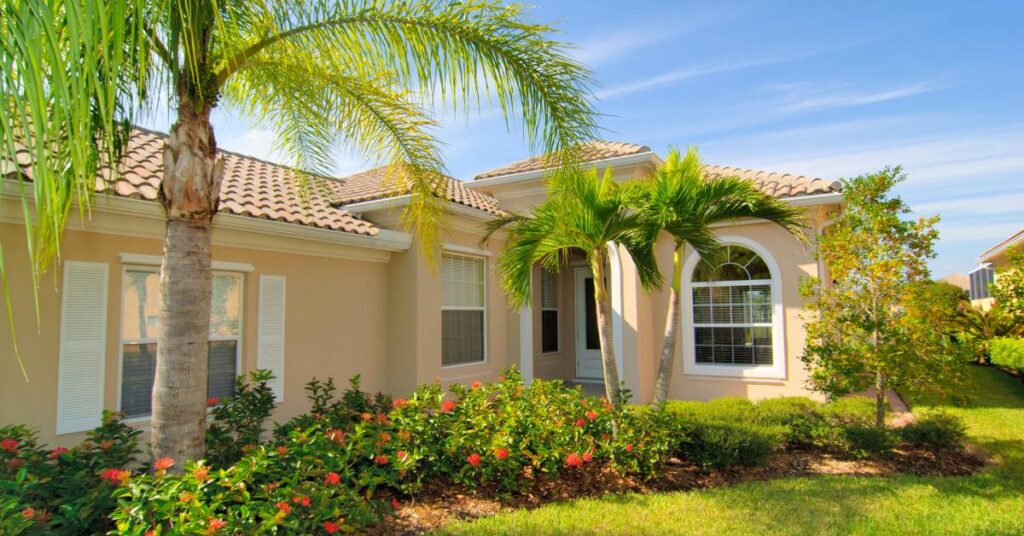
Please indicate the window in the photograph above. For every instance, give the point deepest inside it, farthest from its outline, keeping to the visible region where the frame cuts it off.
(140, 327)
(463, 322)
(733, 309)
(548, 311)
(981, 278)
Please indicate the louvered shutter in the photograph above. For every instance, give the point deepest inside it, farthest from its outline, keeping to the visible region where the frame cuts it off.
(270, 338)
(83, 329)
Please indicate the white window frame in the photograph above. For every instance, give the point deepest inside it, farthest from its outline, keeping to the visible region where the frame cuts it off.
(778, 368)
(557, 309)
(122, 340)
(486, 357)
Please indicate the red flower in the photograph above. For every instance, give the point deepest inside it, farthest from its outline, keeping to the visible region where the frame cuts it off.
(303, 500)
(116, 476)
(395, 505)
(385, 437)
(282, 450)
(332, 479)
(330, 526)
(10, 445)
(105, 445)
(447, 406)
(381, 459)
(335, 435)
(404, 435)
(284, 507)
(402, 455)
(629, 447)
(150, 532)
(163, 464)
(588, 455)
(212, 401)
(592, 415)
(399, 403)
(56, 452)
(573, 460)
(475, 385)
(581, 423)
(473, 459)
(366, 417)
(215, 525)
(501, 454)
(28, 513)
(382, 418)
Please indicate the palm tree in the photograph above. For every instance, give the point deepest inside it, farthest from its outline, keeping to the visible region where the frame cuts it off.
(980, 327)
(74, 74)
(679, 200)
(587, 214)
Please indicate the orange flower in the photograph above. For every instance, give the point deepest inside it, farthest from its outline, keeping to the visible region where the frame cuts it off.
(592, 415)
(163, 464)
(402, 455)
(282, 450)
(381, 459)
(382, 418)
(581, 423)
(399, 403)
(588, 455)
(330, 526)
(55, 453)
(332, 479)
(395, 505)
(501, 454)
(385, 437)
(284, 507)
(366, 417)
(404, 435)
(106, 444)
(335, 435)
(475, 385)
(28, 513)
(201, 473)
(629, 447)
(215, 525)
(473, 459)
(447, 406)
(573, 460)
(117, 476)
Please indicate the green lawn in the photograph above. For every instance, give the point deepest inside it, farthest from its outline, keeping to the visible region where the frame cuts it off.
(991, 502)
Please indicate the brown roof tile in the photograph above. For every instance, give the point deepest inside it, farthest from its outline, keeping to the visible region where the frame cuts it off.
(375, 184)
(776, 184)
(251, 187)
(592, 152)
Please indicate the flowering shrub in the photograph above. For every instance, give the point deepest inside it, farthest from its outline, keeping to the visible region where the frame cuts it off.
(238, 421)
(63, 491)
(329, 413)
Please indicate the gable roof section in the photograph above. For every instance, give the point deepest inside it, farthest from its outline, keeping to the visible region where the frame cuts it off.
(777, 184)
(374, 184)
(592, 152)
(994, 251)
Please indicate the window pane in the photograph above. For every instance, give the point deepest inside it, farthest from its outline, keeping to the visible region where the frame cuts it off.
(220, 381)
(549, 331)
(137, 370)
(548, 290)
(462, 281)
(593, 337)
(731, 272)
(140, 318)
(758, 269)
(462, 337)
(225, 301)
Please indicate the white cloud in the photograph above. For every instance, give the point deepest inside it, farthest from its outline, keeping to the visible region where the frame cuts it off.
(804, 102)
(616, 44)
(686, 73)
(977, 206)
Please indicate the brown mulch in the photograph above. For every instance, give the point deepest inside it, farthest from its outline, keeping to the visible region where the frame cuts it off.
(439, 503)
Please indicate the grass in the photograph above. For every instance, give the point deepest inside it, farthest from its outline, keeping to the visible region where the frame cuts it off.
(990, 502)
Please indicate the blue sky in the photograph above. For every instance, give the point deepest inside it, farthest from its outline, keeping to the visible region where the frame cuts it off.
(826, 89)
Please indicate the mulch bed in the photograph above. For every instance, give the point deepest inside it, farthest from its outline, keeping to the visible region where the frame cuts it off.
(442, 502)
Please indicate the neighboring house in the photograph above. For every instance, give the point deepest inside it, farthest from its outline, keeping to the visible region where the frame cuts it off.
(989, 263)
(324, 283)
(962, 281)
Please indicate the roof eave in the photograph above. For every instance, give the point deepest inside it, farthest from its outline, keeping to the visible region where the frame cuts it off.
(827, 198)
(987, 255)
(639, 158)
(389, 203)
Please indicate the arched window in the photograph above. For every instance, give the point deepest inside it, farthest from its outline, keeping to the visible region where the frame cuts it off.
(733, 310)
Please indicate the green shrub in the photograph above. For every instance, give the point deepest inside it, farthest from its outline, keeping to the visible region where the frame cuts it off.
(848, 411)
(865, 441)
(936, 430)
(718, 444)
(238, 421)
(327, 412)
(796, 415)
(728, 409)
(1008, 352)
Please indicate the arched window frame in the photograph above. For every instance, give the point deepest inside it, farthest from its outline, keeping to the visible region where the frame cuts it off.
(778, 368)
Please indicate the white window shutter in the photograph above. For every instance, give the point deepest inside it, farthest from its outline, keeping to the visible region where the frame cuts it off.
(83, 330)
(270, 338)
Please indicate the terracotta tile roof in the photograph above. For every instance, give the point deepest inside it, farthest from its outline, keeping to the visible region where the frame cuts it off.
(251, 187)
(777, 184)
(374, 184)
(592, 152)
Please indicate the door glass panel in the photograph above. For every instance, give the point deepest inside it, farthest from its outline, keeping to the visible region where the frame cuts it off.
(593, 340)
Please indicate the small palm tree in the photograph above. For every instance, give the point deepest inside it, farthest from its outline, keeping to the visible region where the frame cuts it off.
(74, 74)
(587, 214)
(680, 200)
(980, 327)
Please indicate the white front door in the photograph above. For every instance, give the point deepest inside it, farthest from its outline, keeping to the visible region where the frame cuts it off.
(588, 345)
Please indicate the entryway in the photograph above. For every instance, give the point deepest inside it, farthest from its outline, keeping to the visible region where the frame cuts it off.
(588, 343)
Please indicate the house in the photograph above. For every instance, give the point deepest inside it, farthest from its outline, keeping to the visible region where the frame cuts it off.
(989, 263)
(324, 282)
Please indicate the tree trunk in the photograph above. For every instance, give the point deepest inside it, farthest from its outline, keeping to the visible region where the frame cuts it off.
(604, 330)
(668, 347)
(880, 400)
(189, 193)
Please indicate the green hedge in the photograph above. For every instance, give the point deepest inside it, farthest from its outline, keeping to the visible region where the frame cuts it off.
(1008, 352)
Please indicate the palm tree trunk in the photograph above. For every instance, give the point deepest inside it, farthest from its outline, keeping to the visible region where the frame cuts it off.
(604, 330)
(668, 347)
(189, 193)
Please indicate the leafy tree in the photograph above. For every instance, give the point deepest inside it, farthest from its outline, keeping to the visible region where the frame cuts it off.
(74, 74)
(583, 213)
(862, 333)
(1008, 290)
(679, 200)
